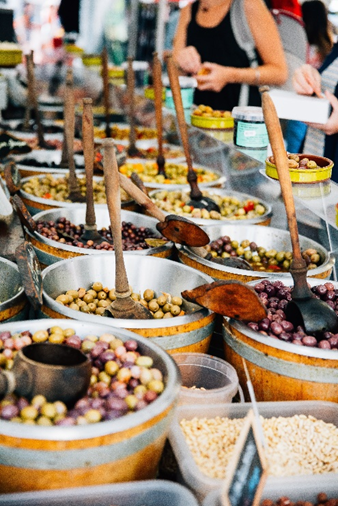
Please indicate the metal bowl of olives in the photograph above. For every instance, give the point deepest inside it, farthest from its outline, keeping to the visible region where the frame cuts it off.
(190, 331)
(303, 168)
(51, 246)
(267, 249)
(13, 303)
(94, 453)
(236, 207)
(41, 193)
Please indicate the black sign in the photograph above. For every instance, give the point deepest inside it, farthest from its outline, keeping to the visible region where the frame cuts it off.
(12, 145)
(247, 471)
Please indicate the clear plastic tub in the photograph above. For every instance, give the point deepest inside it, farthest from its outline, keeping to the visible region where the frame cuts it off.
(200, 483)
(141, 493)
(215, 380)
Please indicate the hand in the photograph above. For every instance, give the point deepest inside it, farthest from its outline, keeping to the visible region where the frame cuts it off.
(306, 80)
(189, 60)
(331, 126)
(214, 77)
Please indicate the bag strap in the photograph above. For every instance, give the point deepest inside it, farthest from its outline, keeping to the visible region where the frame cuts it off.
(244, 39)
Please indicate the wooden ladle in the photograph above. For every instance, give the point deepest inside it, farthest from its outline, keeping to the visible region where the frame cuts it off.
(105, 80)
(132, 149)
(124, 306)
(197, 198)
(314, 315)
(90, 228)
(75, 194)
(157, 81)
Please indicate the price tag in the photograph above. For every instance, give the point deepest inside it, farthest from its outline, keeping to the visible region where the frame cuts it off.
(12, 145)
(247, 471)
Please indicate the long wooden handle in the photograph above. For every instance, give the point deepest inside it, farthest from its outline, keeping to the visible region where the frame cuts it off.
(279, 153)
(141, 198)
(88, 151)
(131, 102)
(32, 96)
(112, 182)
(157, 81)
(69, 125)
(105, 79)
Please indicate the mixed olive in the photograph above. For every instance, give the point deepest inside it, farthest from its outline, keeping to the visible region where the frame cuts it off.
(122, 133)
(65, 232)
(96, 299)
(298, 162)
(276, 296)
(168, 152)
(33, 162)
(56, 188)
(322, 500)
(122, 381)
(174, 173)
(208, 112)
(232, 208)
(258, 257)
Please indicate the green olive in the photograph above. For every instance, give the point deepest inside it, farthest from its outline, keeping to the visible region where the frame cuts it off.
(97, 287)
(280, 256)
(177, 301)
(102, 295)
(153, 305)
(158, 315)
(175, 310)
(161, 300)
(88, 298)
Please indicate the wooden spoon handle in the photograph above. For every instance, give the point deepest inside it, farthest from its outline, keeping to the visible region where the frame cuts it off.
(112, 182)
(69, 125)
(157, 81)
(88, 152)
(130, 93)
(141, 198)
(105, 79)
(279, 153)
(32, 96)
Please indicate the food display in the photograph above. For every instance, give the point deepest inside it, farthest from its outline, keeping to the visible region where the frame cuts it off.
(208, 112)
(289, 452)
(232, 207)
(50, 187)
(121, 132)
(303, 168)
(322, 499)
(10, 54)
(219, 123)
(169, 152)
(258, 257)
(123, 380)
(97, 298)
(275, 295)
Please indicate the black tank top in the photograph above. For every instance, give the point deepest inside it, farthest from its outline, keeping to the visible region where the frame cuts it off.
(218, 45)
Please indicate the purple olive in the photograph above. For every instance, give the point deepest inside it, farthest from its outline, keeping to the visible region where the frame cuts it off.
(9, 411)
(106, 356)
(333, 340)
(74, 342)
(325, 345)
(5, 335)
(276, 328)
(285, 336)
(287, 326)
(259, 288)
(253, 326)
(264, 324)
(131, 345)
(297, 342)
(309, 341)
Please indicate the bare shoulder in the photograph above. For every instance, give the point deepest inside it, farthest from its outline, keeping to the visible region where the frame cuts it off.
(254, 9)
(185, 14)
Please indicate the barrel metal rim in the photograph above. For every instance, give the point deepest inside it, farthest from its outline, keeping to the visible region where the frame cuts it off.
(78, 432)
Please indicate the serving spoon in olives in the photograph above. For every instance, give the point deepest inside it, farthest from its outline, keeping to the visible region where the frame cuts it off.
(196, 196)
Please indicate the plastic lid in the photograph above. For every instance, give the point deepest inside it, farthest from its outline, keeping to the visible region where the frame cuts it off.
(185, 82)
(248, 113)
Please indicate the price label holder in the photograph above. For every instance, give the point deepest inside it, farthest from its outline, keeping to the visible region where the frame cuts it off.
(247, 471)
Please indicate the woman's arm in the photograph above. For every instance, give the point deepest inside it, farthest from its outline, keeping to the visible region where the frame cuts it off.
(186, 57)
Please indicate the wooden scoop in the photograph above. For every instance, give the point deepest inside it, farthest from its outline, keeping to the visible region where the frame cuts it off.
(314, 315)
(197, 198)
(75, 194)
(157, 81)
(90, 228)
(132, 149)
(175, 228)
(228, 298)
(105, 79)
(124, 306)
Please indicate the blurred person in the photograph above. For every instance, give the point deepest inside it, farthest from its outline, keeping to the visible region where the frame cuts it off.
(205, 46)
(286, 5)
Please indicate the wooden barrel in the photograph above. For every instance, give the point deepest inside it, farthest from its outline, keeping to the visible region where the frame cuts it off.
(280, 371)
(14, 305)
(125, 449)
(191, 332)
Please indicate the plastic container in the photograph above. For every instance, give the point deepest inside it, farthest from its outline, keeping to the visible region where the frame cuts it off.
(215, 380)
(323, 171)
(141, 70)
(187, 84)
(249, 128)
(145, 493)
(200, 483)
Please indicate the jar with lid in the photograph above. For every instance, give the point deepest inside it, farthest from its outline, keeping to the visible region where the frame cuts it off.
(249, 128)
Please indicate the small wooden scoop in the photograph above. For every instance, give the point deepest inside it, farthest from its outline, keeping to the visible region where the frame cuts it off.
(175, 228)
(314, 315)
(75, 194)
(105, 80)
(157, 81)
(132, 149)
(197, 198)
(90, 228)
(229, 298)
(124, 306)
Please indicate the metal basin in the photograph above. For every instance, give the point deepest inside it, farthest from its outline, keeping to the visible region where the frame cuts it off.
(36, 204)
(280, 370)
(191, 332)
(264, 219)
(49, 251)
(13, 303)
(125, 449)
(268, 238)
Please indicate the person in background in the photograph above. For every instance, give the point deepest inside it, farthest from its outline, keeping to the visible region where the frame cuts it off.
(286, 5)
(205, 47)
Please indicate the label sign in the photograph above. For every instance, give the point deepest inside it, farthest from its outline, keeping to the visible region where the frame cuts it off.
(10, 144)
(248, 470)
